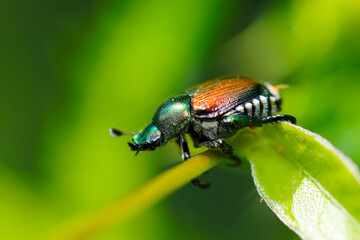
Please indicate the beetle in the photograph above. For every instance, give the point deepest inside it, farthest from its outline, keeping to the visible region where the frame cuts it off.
(211, 112)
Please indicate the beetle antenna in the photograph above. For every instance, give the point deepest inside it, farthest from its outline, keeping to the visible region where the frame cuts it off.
(117, 133)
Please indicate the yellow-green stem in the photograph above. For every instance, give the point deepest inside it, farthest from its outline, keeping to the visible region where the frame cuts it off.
(139, 200)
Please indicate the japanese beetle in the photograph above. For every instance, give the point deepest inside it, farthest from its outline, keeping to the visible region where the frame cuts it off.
(210, 112)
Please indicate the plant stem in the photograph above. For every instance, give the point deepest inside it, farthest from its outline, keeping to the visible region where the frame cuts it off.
(137, 201)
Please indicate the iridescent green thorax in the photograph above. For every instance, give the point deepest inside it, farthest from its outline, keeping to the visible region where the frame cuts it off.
(170, 120)
(173, 116)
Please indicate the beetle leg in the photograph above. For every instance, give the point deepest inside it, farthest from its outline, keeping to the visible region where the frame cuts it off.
(240, 121)
(184, 149)
(229, 152)
(237, 121)
(278, 118)
(225, 148)
(196, 182)
(185, 155)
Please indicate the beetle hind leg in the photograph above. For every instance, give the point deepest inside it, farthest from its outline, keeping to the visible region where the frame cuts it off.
(238, 121)
(278, 118)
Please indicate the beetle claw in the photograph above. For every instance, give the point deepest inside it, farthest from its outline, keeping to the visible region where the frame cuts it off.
(196, 182)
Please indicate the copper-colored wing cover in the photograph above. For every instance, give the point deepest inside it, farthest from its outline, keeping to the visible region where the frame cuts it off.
(220, 95)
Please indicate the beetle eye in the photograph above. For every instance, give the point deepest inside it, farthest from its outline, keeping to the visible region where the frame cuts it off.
(154, 139)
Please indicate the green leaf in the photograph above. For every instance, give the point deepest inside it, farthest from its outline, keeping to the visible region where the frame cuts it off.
(309, 184)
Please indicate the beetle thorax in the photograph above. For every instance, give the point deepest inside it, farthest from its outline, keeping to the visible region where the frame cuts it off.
(173, 117)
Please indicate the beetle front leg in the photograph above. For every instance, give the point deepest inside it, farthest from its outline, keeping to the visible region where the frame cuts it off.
(184, 148)
(197, 183)
(185, 155)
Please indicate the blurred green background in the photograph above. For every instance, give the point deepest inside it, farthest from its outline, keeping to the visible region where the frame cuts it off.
(69, 70)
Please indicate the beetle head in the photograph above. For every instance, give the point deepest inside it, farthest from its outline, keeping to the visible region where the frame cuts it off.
(147, 140)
